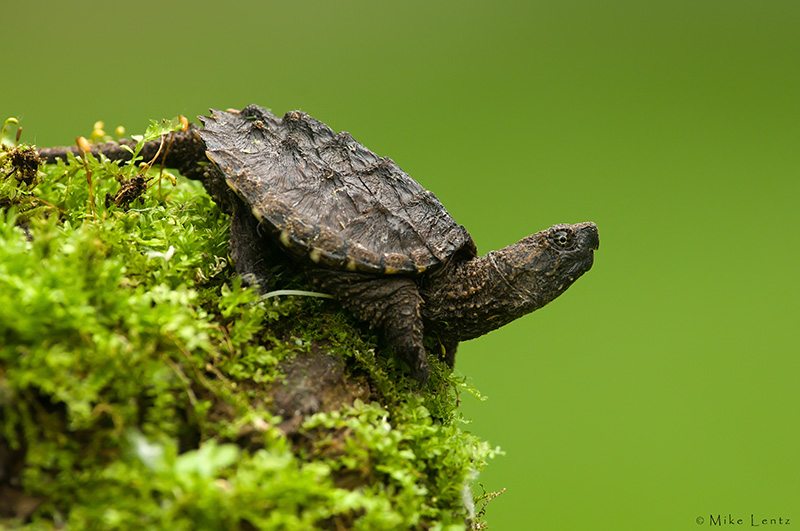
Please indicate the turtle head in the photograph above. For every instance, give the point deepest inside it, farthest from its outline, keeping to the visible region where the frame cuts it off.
(540, 267)
(482, 294)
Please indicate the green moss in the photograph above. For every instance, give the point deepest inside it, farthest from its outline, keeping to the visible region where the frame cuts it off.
(139, 381)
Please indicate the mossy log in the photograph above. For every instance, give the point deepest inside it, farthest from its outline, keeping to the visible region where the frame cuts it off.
(143, 387)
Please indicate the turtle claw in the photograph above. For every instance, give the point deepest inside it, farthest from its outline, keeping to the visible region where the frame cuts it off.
(420, 370)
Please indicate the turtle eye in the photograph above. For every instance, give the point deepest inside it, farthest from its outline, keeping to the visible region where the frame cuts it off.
(563, 238)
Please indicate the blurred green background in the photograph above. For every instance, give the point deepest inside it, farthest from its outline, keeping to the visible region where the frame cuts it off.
(665, 384)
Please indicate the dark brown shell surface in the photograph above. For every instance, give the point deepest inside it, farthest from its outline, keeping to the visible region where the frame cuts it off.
(328, 198)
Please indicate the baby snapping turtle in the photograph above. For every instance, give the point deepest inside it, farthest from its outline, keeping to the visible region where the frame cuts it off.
(368, 233)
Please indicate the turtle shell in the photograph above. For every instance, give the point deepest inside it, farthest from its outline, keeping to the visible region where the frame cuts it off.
(328, 199)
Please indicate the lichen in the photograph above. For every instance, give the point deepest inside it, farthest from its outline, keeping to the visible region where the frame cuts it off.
(142, 386)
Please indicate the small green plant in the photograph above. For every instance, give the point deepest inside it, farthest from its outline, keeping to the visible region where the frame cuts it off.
(140, 381)
(5, 139)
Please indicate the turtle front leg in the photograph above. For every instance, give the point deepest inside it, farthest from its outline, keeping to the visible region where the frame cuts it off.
(389, 303)
(248, 246)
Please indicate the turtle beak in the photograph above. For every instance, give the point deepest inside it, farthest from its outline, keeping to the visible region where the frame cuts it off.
(588, 233)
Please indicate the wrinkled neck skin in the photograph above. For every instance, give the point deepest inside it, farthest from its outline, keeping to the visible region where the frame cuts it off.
(467, 299)
(485, 299)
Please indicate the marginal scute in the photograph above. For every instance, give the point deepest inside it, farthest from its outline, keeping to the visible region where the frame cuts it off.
(329, 199)
(232, 186)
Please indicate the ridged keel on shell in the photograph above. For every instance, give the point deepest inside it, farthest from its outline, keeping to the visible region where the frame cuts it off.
(333, 201)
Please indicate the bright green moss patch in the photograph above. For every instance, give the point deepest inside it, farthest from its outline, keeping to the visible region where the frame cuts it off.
(142, 387)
